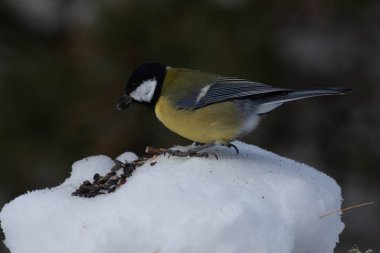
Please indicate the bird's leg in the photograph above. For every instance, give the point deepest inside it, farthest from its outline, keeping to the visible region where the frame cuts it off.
(200, 147)
(195, 143)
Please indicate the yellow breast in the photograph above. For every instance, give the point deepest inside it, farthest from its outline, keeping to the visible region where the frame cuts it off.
(216, 122)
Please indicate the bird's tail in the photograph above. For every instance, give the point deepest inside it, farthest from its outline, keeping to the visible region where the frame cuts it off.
(271, 101)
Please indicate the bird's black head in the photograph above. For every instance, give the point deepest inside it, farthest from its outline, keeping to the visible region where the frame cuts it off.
(144, 85)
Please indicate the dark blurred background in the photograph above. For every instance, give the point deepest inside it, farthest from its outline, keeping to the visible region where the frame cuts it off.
(64, 63)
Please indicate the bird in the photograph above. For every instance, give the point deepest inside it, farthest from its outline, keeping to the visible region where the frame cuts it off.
(208, 109)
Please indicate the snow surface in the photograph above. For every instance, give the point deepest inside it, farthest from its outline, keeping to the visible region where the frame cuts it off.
(255, 201)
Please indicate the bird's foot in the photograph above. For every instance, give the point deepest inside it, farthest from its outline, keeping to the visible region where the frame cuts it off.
(193, 152)
(225, 144)
(190, 153)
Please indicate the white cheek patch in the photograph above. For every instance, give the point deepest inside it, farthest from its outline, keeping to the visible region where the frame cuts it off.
(145, 92)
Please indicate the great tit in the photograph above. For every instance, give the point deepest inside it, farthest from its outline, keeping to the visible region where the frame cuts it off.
(208, 108)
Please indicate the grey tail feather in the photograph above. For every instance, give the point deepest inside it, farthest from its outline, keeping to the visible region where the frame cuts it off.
(304, 93)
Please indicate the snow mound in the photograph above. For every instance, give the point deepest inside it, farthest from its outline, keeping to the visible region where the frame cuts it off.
(254, 201)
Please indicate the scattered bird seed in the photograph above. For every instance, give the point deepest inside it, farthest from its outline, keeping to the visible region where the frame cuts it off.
(111, 181)
(120, 171)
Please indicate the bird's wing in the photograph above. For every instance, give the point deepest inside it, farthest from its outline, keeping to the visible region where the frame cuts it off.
(222, 89)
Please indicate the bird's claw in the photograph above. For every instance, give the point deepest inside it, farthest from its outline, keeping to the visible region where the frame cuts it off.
(230, 145)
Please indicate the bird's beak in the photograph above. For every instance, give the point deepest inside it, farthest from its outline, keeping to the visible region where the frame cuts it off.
(124, 102)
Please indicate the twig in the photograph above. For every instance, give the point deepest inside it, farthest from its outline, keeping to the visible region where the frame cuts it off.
(347, 208)
(155, 151)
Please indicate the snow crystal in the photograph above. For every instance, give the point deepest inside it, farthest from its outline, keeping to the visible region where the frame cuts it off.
(254, 201)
